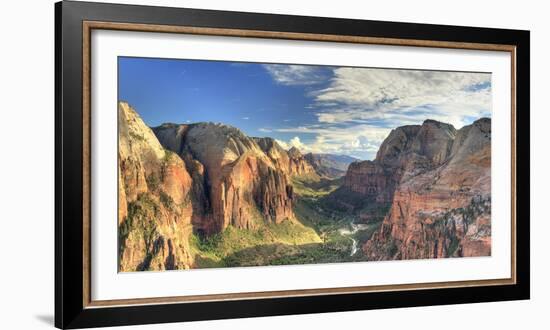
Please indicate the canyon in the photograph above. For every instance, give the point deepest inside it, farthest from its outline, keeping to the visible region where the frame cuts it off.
(207, 195)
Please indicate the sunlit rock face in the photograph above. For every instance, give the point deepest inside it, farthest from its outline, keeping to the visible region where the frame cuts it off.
(441, 203)
(239, 181)
(290, 161)
(154, 194)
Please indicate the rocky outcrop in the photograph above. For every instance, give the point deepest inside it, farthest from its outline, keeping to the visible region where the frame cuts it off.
(372, 180)
(154, 200)
(299, 165)
(238, 180)
(441, 202)
(291, 162)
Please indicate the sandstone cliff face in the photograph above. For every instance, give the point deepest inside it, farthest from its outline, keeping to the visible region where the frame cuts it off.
(299, 165)
(154, 192)
(237, 180)
(441, 202)
(291, 162)
(372, 180)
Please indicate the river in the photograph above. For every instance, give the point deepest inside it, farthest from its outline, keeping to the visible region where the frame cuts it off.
(347, 232)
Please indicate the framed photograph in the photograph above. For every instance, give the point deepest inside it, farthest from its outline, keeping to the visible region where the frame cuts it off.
(218, 164)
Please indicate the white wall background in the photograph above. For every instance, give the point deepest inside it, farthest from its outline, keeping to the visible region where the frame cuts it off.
(27, 169)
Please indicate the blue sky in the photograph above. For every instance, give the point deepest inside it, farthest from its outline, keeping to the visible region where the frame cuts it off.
(323, 109)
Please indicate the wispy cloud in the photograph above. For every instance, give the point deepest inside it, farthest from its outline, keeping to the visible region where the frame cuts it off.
(401, 97)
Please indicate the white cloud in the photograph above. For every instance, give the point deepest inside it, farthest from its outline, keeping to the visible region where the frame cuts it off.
(403, 96)
(291, 75)
(283, 144)
(246, 118)
(294, 142)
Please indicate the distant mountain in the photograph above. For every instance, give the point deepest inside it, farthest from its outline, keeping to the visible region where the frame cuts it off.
(329, 165)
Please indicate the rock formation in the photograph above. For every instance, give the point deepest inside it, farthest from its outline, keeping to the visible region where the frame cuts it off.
(238, 180)
(291, 162)
(154, 193)
(441, 183)
(299, 165)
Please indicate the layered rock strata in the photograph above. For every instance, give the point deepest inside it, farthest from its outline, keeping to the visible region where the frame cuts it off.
(441, 202)
(238, 180)
(154, 200)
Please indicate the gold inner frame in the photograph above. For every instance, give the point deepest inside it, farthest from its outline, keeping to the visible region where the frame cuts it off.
(87, 28)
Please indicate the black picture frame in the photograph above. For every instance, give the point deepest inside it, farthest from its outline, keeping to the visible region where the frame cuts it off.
(70, 181)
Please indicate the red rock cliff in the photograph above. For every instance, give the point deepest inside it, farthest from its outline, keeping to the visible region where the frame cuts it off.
(238, 181)
(441, 204)
(154, 193)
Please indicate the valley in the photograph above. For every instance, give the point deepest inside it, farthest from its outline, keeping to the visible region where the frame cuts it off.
(317, 235)
(205, 195)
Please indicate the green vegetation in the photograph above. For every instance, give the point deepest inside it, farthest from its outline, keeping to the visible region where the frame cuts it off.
(168, 155)
(453, 246)
(280, 254)
(308, 187)
(219, 249)
(365, 234)
(155, 178)
(312, 213)
(153, 181)
(446, 223)
(391, 248)
(136, 136)
(139, 223)
(335, 249)
(166, 200)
